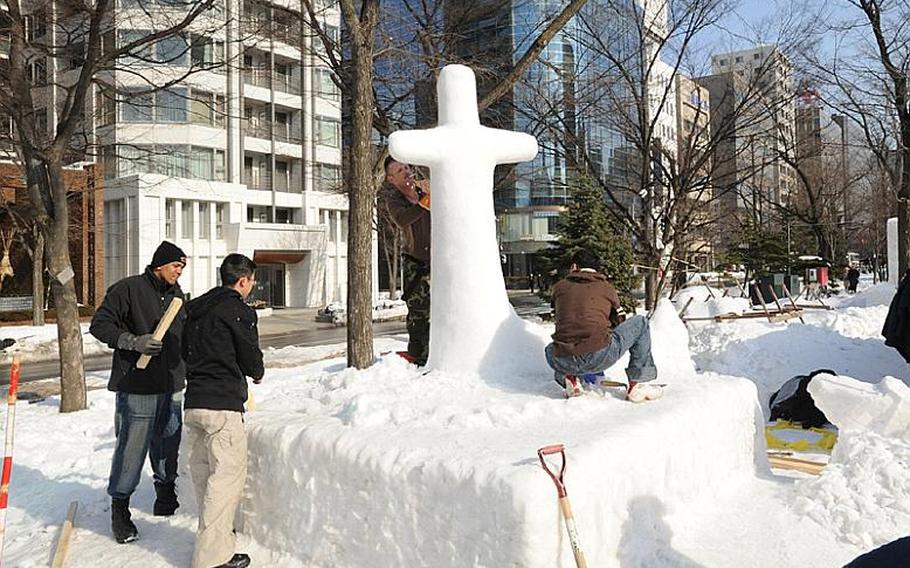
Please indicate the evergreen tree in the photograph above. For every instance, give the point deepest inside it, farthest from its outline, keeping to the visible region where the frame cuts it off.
(586, 224)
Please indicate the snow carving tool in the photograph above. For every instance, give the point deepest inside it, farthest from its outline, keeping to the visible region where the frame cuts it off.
(564, 505)
(8, 454)
(166, 320)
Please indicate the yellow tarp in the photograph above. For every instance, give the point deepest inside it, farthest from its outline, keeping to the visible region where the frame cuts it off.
(785, 435)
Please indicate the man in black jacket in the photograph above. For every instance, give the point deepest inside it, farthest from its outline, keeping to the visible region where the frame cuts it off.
(148, 417)
(221, 347)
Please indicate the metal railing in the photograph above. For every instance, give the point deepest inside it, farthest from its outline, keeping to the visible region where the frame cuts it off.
(280, 131)
(258, 77)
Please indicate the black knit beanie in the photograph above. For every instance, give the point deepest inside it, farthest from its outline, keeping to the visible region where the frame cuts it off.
(167, 253)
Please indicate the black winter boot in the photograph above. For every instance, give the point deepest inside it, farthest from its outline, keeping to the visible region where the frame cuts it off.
(123, 528)
(166, 502)
(236, 561)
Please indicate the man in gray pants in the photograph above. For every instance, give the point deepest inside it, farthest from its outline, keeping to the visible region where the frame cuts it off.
(592, 333)
(221, 348)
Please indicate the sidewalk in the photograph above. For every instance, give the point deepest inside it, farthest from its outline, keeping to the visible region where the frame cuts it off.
(284, 320)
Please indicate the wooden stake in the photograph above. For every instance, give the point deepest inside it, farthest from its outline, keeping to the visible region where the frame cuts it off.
(66, 533)
(761, 298)
(787, 292)
(682, 312)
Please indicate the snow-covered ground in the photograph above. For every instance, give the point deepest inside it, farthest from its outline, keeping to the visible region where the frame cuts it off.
(390, 467)
(40, 343)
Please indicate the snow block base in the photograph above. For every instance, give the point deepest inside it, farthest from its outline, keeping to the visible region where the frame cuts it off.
(390, 468)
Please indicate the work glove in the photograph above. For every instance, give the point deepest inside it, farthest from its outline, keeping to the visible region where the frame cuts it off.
(148, 345)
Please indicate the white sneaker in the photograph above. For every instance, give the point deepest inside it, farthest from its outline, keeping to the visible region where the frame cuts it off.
(573, 386)
(640, 392)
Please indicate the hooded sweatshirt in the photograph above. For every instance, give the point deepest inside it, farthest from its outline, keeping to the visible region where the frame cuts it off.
(221, 349)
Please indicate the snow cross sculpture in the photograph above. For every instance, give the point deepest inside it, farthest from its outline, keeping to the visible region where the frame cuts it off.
(473, 326)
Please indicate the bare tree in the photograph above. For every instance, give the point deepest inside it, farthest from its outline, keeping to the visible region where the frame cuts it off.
(46, 87)
(370, 45)
(867, 71)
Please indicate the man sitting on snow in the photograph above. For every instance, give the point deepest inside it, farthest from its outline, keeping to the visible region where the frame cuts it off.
(591, 334)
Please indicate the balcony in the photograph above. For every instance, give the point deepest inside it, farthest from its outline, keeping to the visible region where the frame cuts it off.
(266, 79)
(279, 131)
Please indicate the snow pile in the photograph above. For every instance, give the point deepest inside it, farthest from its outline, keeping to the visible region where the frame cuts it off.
(847, 341)
(855, 406)
(864, 492)
(876, 295)
(40, 343)
(863, 495)
(390, 467)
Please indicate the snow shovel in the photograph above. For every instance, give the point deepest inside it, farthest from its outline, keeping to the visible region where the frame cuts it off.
(564, 505)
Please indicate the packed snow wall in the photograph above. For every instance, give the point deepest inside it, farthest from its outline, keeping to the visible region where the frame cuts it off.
(388, 467)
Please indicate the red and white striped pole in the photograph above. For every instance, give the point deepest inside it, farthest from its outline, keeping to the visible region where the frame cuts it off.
(8, 454)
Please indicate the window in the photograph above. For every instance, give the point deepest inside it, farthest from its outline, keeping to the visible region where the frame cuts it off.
(171, 105)
(202, 108)
(37, 72)
(325, 86)
(327, 177)
(107, 107)
(36, 25)
(133, 159)
(75, 54)
(284, 215)
(205, 222)
(282, 182)
(328, 132)
(172, 50)
(186, 219)
(219, 112)
(219, 220)
(206, 52)
(138, 107)
(171, 160)
(258, 214)
(41, 121)
(139, 54)
(170, 219)
(200, 162)
(219, 173)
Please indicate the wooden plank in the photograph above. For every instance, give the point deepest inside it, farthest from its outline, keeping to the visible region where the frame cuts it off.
(796, 464)
(66, 534)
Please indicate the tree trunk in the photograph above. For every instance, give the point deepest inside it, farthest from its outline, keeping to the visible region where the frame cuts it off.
(63, 287)
(362, 186)
(38, 278)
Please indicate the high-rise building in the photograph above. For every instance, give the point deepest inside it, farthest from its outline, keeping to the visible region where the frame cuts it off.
(694, 164)
(240, 152)
(752, 114)
(574, 93)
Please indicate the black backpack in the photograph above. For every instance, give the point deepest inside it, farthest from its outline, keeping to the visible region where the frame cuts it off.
(794, 403)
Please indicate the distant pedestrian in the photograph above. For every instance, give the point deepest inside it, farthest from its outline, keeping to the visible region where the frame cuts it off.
(852, 279)
(148, 413)
(221, 347)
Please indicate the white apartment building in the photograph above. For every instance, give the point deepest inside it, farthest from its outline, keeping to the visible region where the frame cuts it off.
(240, 153)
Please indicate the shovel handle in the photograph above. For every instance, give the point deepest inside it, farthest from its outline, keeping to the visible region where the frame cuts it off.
(557, 479)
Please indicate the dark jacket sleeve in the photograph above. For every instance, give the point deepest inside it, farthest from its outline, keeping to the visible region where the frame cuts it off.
(403, 213)
(109, 322)
(245, 331)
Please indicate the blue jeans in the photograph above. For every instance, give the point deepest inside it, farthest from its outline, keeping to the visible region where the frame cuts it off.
(632, 335)
(145, 424)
